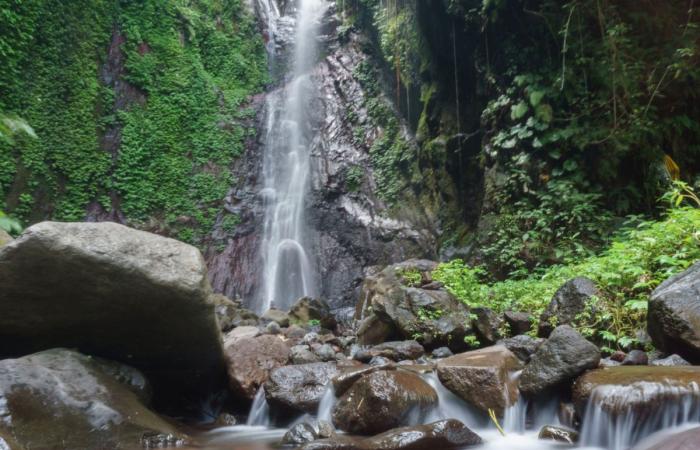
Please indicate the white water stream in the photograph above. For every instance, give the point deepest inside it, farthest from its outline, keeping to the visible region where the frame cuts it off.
(288, 269)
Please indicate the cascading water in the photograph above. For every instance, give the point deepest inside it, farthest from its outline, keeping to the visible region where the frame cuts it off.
(288, 269)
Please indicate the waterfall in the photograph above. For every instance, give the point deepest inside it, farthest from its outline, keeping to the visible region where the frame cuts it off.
(288, 269)
(260, 411)
(620, 431)
(325, 407)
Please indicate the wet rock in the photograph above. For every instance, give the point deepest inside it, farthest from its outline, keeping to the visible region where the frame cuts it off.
(161, 440)
(232, 314)
(398, 350)
(558, 434)
(299, 434)
(639, 389)
(372, 330)
(295, 333)
(379, 361)
(564, 356)
(568, 302)
(382, 400)
(302, 354)
(250, 361)
(618, 356)
(673, 360)
(273, 328)
(275, 315)
(225, 420)
(443, 434)
(325, 352)
(307, 309)
(299, 387)
(684, 440)
(4, 237)
(673, 319)
(61, 396)
(482, 377)
(486, 325)
(433, 317)
(442, 352)
(338, 442)
(522, 346)
(635, 358)
(112, 291)
(518, 322)
(311, 338)
(344, 380)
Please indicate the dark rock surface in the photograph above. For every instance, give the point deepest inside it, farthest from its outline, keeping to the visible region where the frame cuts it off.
(115, 292)
(394, 350)
(59, 398)
(635, 358)
(674, 315)
(569, 301)
(482, 377)
(382, 400)
(299, 387)
(522, 346)
(518, 322)
(558, 434)
(486, 325)
(309, 309)
(564, 356)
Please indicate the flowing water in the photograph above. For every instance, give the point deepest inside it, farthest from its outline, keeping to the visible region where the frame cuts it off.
(288, 271)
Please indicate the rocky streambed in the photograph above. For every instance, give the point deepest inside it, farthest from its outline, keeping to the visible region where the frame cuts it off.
(112, 338)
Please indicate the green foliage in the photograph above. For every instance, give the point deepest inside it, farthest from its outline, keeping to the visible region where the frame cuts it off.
(354, 177)
(189, 65)
(640, 257)
(9, 224)
(409, 277)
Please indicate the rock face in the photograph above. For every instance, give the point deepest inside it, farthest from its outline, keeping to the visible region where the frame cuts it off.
(250, 361)
(382, 400)
(638, 389)
(299, 387)
(307, 309)
(115, 292)
(486, 325)
(522, 346)
(482, 377)
(433, 317)
(61, 396)
(569, 301)
(674, 315)
(685, 440)
(562, 358)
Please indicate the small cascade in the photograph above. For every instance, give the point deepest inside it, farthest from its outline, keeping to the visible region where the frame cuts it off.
(325, 407)
(260, 411)
(673, 407)
(452, 407)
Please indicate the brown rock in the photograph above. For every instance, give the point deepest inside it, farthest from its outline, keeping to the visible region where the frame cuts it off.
(250, 361)
(482, 377)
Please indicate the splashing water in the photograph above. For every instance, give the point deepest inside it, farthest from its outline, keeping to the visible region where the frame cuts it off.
(325, 407)
(288, 269)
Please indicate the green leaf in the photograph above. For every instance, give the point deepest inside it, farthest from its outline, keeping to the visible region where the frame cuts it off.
(518, 111)
(536, 97)
(544, 113)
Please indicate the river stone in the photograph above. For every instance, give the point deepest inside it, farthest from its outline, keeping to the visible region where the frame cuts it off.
(382, 400)
(558, 434)
(276, 315)
(302, 354)
(349, 375)
(307, 309)
(61, 396)
(482, 377)
(673, 320)
(635, 358)
(486, 324)
(522, 346)
(640, 389)
(299, 387)
(299, 434)
(250, 361)
(684, 440)
(569, 301)
(398, 350)
(563, 357)
(673, 360)
(435, 318)
(115, 292)
(518, 322)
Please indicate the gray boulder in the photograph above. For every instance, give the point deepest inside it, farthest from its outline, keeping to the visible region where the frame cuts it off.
(569, 301)
(673, 319)
(486, 325)
(564, 356)
(59, 397)
(382, 400)
(522, 346)
(112, 291)
(250, 360)
(558, 434)
(299, 387)
(669, 361)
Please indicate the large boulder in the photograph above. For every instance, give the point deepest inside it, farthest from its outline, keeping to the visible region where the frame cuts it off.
(299, 387)
(59, 398)
(642, 390)
(569, 301)
(115, 292)
(674, 315)
(382, 400)
(251, 359)
(563, 357)
(684, 440)
(404, 297)
(482, 378)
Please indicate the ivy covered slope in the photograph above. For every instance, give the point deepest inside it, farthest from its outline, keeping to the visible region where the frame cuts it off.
(138, 108)
(548, 121)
